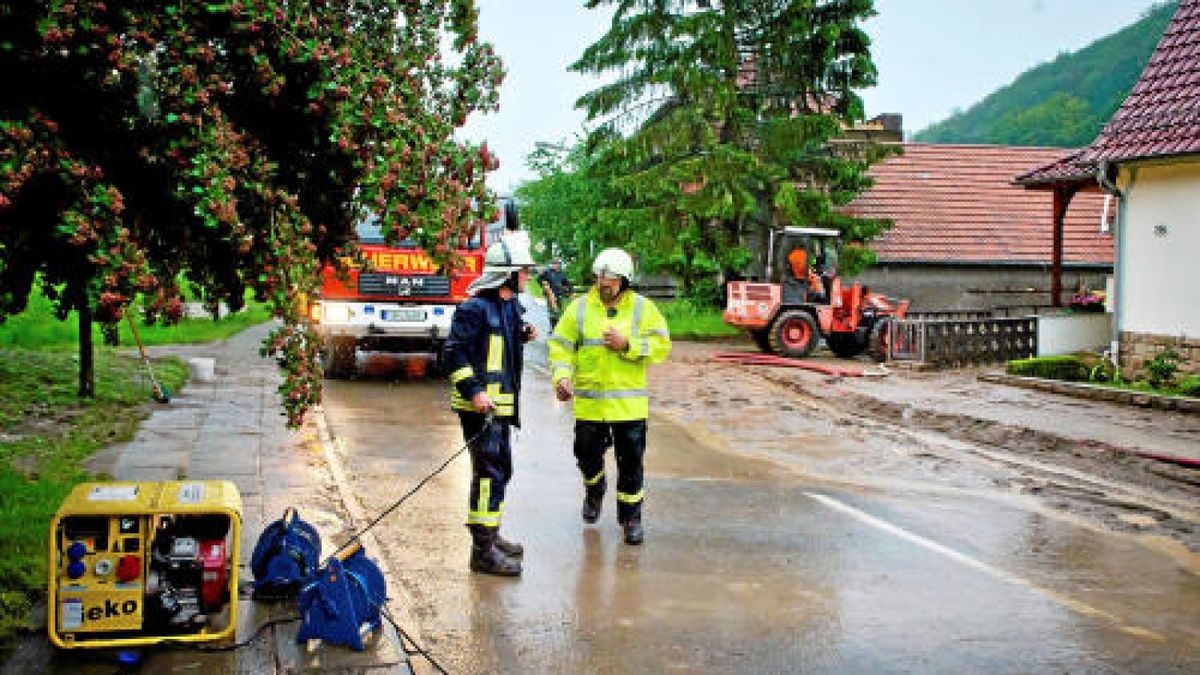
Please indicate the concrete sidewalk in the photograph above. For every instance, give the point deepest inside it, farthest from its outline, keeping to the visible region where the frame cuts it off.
(232, 428)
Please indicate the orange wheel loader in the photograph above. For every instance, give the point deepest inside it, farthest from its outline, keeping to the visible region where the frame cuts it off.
(803, 300)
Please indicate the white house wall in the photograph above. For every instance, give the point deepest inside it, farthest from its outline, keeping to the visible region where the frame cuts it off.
(1159, 262)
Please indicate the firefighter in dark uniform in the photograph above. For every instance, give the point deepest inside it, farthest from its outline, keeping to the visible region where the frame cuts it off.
(484, 356)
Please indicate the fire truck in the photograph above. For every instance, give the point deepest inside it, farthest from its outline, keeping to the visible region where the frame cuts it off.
(401, 302)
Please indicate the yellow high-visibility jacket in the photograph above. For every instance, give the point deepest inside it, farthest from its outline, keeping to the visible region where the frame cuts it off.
(609, 386)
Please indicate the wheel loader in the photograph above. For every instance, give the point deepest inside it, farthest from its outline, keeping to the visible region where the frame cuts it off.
(803, 300)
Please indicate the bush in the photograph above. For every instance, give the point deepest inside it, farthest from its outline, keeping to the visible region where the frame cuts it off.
(1190, 386)
(1068, 367)
(1160, 370)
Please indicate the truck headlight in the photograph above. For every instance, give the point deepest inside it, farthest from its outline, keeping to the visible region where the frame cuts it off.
(335, 313)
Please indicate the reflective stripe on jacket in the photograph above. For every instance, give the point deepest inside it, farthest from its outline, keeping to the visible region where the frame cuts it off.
(609, 386)
(484, 353)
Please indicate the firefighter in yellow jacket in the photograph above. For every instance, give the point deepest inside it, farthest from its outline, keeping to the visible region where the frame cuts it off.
(598, 356)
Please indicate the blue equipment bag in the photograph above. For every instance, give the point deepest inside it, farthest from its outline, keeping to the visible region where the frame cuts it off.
(287, 553)
(342, 603)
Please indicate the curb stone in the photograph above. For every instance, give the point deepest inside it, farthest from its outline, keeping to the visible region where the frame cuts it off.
(1094, 392)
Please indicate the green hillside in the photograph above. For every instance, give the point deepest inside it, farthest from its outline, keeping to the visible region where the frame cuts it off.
(1064, 102)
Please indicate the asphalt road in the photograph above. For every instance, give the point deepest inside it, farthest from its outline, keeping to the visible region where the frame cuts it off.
(753, 562)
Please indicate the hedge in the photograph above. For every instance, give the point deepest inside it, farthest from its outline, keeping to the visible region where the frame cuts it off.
(1066, 367)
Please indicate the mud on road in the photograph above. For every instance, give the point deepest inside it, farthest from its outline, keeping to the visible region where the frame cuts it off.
(911, 431)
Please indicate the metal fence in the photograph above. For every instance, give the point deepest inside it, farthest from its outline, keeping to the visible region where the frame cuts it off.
(939, 314)
(949, 343)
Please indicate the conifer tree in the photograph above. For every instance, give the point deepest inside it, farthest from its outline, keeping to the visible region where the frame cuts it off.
(722, 122)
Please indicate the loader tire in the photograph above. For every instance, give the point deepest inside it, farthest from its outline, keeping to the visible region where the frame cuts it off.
(845, 345)
(762, 339)
(794, 334)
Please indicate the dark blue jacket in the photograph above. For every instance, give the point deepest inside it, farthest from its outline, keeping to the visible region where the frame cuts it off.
(466, 353)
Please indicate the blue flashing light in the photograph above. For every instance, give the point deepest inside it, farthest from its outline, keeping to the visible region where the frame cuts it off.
(439, 311)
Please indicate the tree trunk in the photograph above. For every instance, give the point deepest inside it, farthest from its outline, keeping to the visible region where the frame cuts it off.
(87, 366)
(688, 272)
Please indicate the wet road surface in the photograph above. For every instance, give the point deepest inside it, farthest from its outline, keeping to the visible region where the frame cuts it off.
(778, 540)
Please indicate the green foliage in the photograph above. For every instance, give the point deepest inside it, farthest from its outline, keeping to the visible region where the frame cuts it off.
(563, 207)
(1064, 102)
(695, 320)
(1160, 370)
(717, 128)
(1104, 371)
(1088, 367)
(38, 327)
(1062, 120)
(1190, 386)
(236, 143)
(1065, 367)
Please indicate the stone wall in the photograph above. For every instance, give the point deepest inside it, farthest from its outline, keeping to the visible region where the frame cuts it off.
(1138, 348)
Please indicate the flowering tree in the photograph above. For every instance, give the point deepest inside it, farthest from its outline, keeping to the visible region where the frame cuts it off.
(233, 144)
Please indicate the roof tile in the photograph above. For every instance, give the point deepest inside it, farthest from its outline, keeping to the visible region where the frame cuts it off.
(1161, 115)
(957, 203)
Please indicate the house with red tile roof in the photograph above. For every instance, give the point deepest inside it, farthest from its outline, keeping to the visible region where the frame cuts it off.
(966, 237)
(1148, 155)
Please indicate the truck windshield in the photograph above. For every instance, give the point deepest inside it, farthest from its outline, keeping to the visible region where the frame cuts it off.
(371, 232)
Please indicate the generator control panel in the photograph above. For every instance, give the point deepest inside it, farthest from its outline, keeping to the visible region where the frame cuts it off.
(137, 563)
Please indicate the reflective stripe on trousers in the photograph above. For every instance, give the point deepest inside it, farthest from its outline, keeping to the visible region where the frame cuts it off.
(491, 467)
(629, 445)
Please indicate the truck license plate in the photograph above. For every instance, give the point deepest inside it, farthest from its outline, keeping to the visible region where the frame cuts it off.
(402, 314)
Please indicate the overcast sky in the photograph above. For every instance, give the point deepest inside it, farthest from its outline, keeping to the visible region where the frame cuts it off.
(933, 56)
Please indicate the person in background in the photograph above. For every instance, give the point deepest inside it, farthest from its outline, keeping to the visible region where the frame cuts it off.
(484, 356)
(557, 289)
(599, 355)
(804, 284)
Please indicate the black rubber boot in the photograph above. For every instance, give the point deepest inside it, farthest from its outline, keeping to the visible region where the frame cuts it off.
(593, 501)
(634, 534)
(509, 548)
(486, 557)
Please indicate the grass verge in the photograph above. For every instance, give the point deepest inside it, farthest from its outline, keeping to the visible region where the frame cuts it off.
(46, 433)
(37, 328)
(688, 320)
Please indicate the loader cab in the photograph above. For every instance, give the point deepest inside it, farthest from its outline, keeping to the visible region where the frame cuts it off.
(804, 263)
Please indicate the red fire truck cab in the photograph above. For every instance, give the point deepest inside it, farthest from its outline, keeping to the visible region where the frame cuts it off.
(401, 302)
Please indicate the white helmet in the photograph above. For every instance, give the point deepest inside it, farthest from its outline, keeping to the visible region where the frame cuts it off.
(613, 262)
(509, 254)
(504, 257)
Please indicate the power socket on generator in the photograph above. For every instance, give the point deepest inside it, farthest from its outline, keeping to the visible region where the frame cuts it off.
(136, 564)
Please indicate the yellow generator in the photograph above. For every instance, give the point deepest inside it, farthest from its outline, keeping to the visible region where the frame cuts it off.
(142, 563)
